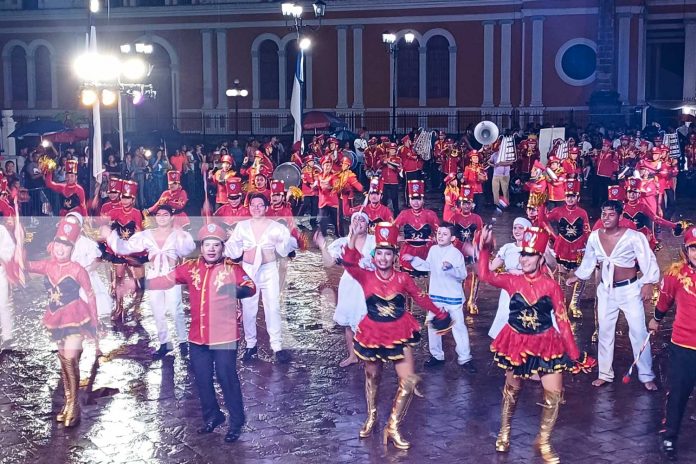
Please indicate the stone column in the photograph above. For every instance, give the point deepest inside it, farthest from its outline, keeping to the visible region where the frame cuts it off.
(624, 55)
(221, 36)
(505, 62)
(342, 78)
(689, 91)
(488, 43)
(357, 67)
(207, 42)
(537, 60)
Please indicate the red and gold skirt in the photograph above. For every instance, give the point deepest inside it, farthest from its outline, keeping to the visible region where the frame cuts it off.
(385, 341)
(529, 354)
(72, 319)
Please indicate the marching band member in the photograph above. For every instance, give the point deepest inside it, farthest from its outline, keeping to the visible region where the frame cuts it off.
(164, 245)
(372, 159)
(114, 193)
(375, 210)
(234, 210)
(214, 285)
(333, 153)
(411, 162)
(72, 195)
(260, 184)
(642, 216)
(451, 197)
(391, 169)
(528, 151)
(529, 345)
(536, 185)
(389, 330)
(607, 165)
(556, 183)
(474, 176)
(328, 198)
(625, 152)
(347, 184)
(690, 154)
(419, 226)
(467, 224)
(296, 154)
(175, 197)
(677, 289)
(69, 317)
(220, 176)
(350, 303)
(571, 166)
(447, 269)
(573, 226)
(126, 221)
(257, 241)
(616, 250)
(452, 162)
(310, 189)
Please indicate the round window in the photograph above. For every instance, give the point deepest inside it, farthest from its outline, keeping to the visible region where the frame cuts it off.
(576, 62)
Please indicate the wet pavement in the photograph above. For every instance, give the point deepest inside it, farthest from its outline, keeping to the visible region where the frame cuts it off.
(147, 411)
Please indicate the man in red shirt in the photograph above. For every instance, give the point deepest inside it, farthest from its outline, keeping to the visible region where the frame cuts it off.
(234, 210)
(72, 195)
(375, 210)
(678, 289)
(214, 283)
(328, 198)
(391, 169)
(175, 197)
(607, 166)
(411, 162)
(419, 226)
(474, 176)
(178, 160)
(309, 186)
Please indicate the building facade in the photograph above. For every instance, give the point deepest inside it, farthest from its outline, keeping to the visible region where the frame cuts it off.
(512, 61)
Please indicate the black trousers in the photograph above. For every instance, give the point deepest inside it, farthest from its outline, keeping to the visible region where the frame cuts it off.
(310, 205)
(390, 193)
(681, 378)
(669, 210)
(328, 216)
(220, 360)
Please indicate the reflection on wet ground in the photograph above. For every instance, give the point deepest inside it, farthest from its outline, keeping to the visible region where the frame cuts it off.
(144, 410)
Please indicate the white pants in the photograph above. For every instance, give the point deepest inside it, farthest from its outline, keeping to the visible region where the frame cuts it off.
(609, 302)
(459, 331)
(160, 302)
(5, 307)
(101, 294)
(267, 286)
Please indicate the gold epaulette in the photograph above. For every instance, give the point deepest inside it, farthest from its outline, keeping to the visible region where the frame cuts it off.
(674, 269)
(188, 261)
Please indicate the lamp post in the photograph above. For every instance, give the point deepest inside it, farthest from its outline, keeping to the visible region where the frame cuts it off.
(294, 11)
(390, 41)
(236, 92)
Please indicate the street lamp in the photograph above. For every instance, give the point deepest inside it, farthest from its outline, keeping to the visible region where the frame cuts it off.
(236, 92)
(294, 11)
(390, 41)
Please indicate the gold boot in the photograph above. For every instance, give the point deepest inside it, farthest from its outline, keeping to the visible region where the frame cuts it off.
(371, 387)
(549, 414)
(473, 294)
(60, 417)
(510, 396)
(72, 412)
(573, 308)
(401, 402)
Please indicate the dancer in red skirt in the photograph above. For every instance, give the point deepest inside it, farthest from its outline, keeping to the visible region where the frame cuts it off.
(529, 345)
(388, 331)
(69, 318)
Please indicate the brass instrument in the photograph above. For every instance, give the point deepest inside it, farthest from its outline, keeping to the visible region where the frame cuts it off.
(423, 144)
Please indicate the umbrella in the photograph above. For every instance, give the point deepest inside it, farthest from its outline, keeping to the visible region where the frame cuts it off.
(38, 128)
(69, 136)
(322, 120)
(345, 135)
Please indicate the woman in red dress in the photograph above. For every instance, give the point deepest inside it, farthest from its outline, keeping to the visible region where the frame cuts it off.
(529, 346)
(68, 317)
(388, 331)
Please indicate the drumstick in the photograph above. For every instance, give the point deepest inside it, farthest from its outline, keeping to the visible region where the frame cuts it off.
(206, 202)
(627, 377)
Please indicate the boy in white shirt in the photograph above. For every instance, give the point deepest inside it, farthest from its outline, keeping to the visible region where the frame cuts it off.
(447, 272)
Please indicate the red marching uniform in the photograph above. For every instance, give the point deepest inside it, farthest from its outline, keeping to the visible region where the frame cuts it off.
(536, 185)
(528, 151)
(126, 222)
(72, 196)
(607, 162)
(467, 225)
(573, 229)
(219, 179)
(347, 184)
(376, 213)
(176, 199)
(372, 157)
(529, 344)
(228, 214)
(643, 217)
(115, 186)
(570, 164)
(410, 161)
(419, 228)
(451, 197)
(556, 187)
(451, 158)
(474, 174)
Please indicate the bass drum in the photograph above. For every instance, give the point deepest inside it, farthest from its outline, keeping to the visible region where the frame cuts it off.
(288, 173)
(353, 158)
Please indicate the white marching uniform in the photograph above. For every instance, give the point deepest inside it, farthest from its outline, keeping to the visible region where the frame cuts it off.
(86, 252)
(632, 246)
(7, 249)
(445, 288)
(351, 306)
(276, 238)
(162, 260)
(510, 254)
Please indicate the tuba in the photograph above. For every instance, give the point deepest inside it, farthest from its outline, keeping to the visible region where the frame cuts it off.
(486, 132)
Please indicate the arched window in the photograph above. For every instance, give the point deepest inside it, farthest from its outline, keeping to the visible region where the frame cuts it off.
(407, 69)
(291, 52)
(42, 60)
(268, 70)
(20, 89)
(437, 59)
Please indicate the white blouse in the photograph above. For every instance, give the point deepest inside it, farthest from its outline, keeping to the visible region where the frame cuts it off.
(276, 238)
(632, 246)
(177, 245)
